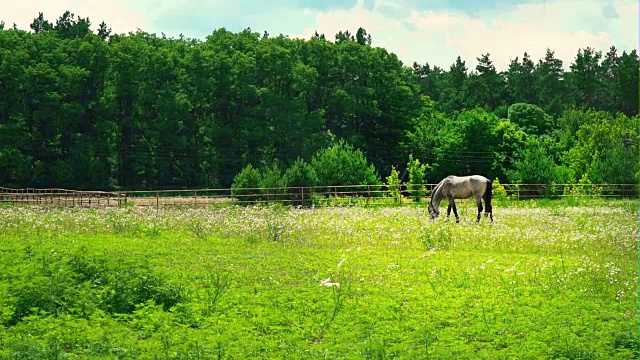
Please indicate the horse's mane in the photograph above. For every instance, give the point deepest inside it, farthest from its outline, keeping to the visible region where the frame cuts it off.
(437, 188)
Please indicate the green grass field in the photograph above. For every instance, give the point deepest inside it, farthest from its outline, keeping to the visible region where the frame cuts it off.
(548, 279)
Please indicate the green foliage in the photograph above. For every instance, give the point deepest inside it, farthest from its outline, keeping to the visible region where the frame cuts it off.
(301, 174)
(422, 137)
(530, 119)
(475, 142)
(417, 174)
(341, 164)
(617, 166)
(273, 182)
(535, 166)
(605, 147)
(393, 184)
(497, 190)
(247, 179)
(82, 286)
(84, 108)
(584, 187)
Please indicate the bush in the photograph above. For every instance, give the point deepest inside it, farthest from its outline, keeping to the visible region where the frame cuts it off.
(498, 191)
(393, 184)
(617, 166)
(301, 174)
(249, 177)
(534, 166)
(341, 164)
(273, 183)
(58, 284)
(584, 187)
(417, 173)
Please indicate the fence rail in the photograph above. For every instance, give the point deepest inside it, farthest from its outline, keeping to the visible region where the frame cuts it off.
(316, 195)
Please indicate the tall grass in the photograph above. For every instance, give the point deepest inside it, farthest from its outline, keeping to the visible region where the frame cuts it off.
(546, 279)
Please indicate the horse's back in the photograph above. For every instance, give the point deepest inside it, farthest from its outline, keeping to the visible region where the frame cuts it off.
(467, 186)
(479, 179)
(473, 179)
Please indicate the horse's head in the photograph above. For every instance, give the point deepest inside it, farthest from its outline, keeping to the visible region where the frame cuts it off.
(433, 211)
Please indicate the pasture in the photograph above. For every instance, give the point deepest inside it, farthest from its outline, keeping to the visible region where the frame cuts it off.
(547, 279)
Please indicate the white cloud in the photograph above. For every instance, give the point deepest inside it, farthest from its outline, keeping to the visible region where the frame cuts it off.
(381, 4)
(390, 32)
(119, 15)
(439, 36)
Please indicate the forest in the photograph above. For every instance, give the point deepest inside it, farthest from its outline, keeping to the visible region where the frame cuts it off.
(83, 108)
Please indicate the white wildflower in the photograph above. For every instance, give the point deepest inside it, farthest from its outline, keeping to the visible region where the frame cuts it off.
(327, 282)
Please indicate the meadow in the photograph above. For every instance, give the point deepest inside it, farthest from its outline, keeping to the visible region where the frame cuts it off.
(547, 279)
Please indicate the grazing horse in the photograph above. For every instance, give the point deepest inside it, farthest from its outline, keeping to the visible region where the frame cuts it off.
(462, 187)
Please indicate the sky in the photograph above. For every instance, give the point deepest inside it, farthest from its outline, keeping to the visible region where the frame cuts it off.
(422, 31)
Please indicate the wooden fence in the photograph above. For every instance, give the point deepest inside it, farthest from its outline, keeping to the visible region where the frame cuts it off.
(60, 197)
(316, 196)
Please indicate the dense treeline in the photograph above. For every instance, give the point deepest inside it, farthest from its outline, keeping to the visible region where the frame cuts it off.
(95, 110)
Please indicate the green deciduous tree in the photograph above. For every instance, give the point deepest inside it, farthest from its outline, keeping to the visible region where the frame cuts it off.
(88, 109)
(531, 119)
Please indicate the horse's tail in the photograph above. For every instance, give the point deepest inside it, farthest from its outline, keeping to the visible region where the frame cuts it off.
(487, 196)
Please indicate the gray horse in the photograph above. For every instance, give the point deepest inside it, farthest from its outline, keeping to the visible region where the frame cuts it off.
(462, 187)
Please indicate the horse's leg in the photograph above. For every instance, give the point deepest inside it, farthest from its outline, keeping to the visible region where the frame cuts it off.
(452, 204)
(479, 203)
(489, 210)
(449, 211)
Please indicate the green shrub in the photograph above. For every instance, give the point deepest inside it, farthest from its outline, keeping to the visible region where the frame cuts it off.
(250, 179)
(533, 165)
(584, 187)
(58, 284)
(615, 166)
(498, 190)
(341, 164)
(273, 183)
(301, 174)
(417, 174)
(124, 284)
(393, 184)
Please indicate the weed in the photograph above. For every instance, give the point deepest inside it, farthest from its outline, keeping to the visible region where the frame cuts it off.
(215, 285)
(436, 237)
(276, 223)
